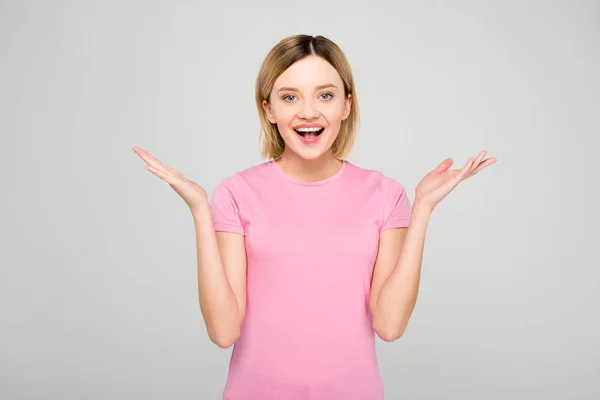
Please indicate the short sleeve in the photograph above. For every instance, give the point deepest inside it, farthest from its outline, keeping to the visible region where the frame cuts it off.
(396, 205)
(225, 211)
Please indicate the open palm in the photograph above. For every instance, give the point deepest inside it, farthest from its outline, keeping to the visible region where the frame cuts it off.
(193, 194)
(441, 181)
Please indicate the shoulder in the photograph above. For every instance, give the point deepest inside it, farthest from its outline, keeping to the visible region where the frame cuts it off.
(229, 197)
(389, 196)
(374, 178)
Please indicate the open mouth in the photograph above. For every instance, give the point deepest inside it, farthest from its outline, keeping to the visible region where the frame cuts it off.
(309, 133)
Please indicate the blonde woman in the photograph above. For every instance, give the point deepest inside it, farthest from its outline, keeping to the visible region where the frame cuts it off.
(304, 258)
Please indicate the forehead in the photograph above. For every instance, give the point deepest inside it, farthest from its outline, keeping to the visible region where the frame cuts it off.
(308, 73)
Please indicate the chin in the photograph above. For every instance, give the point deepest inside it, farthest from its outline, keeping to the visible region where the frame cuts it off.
(310, 152)
(310, 155)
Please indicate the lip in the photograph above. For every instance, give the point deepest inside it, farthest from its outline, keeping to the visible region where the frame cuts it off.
(309, 141)
(308, 126)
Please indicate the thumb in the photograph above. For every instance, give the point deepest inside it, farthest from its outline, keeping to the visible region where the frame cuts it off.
(443, 166)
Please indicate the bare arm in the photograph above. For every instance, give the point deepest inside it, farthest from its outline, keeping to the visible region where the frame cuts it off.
(221, 278)
(397, 275)
(221, 258)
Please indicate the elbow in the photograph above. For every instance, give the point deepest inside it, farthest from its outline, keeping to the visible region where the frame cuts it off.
(224, 341)
(224, 344)
(223, 332)
(224, 336)
(388, 332)
(389, 335)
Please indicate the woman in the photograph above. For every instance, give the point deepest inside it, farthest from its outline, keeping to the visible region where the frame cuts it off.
(304, 258)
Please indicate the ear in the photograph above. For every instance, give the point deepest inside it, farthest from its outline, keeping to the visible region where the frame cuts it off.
(347, 107)
(267, 108)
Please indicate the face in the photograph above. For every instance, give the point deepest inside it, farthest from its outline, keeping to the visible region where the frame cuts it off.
(307, 103)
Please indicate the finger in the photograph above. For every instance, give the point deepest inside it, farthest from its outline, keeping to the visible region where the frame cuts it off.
(483, 165)
(143, 154)
(158, 164)
(443, 166)
(160, 173)
(478, 160)
(153, 161)
(172, 171)
(463, 172)
(148, 158)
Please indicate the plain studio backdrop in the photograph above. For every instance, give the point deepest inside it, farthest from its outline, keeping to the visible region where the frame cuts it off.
(98, 279)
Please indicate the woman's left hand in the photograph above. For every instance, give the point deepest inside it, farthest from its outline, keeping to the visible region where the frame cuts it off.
(441, 181)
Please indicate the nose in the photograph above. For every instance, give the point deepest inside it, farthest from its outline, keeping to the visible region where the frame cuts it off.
(308, 110)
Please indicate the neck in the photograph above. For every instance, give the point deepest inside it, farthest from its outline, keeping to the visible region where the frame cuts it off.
(309, 170)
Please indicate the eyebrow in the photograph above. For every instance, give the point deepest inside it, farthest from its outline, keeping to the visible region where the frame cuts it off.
(293, 89)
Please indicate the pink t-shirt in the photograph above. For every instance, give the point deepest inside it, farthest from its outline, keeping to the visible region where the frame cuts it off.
(311, 248)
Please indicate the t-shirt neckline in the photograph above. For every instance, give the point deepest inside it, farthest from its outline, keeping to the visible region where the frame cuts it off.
(305, 183)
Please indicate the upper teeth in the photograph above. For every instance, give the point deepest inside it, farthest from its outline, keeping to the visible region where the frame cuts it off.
(309, 129)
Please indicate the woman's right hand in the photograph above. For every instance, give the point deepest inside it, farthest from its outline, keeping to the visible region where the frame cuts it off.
(192, 193)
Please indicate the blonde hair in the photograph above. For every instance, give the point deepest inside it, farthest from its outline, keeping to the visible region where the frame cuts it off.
(282, 56)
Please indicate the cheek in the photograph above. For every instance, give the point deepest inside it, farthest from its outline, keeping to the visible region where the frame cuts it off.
(284, 124)
(284, 119)
(334, 114)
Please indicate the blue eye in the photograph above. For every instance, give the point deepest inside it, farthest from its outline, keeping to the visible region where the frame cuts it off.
(289, 98)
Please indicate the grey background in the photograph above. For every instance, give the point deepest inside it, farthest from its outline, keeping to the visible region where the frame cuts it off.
(98, 281)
